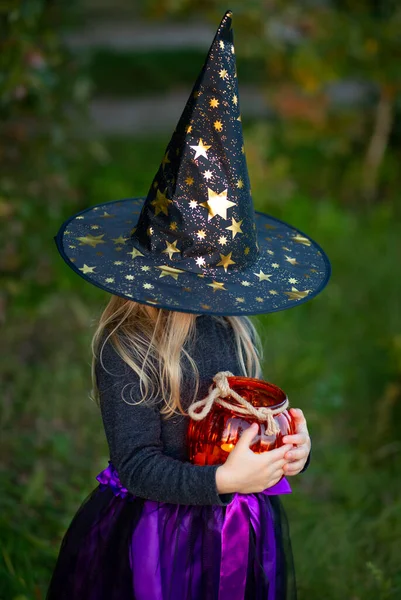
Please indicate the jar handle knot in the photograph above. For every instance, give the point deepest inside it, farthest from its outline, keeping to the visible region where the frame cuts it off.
(223, 390)
(222, 384)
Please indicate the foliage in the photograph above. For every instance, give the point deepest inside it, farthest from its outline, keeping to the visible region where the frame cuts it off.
(43, 104)
(338, 356)
(306, 48)
(116, 73)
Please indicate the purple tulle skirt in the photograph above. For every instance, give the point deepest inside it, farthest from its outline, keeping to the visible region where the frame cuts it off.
(122, 547)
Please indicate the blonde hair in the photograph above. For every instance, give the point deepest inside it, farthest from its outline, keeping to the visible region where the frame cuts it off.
(151, 341)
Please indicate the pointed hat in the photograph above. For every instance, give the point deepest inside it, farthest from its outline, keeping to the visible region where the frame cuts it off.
(195, 243)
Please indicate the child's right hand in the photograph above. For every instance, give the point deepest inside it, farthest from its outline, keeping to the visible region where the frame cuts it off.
(247, 472)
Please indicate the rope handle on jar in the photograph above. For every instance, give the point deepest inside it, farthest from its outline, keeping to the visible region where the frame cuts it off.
(222, 390)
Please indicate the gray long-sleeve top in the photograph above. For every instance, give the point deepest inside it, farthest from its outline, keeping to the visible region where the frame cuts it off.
(149, 453)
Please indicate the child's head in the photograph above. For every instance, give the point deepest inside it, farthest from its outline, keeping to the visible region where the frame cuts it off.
(152, 340)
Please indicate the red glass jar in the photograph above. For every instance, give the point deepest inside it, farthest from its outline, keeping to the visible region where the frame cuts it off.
(210, 440)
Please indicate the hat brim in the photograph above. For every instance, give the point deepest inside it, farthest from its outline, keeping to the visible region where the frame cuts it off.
(290, 269)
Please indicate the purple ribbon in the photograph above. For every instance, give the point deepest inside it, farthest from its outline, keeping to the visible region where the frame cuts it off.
(235, 543)
(244, 508)
(109, 478)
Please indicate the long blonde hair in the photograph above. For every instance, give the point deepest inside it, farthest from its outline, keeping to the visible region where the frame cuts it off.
(151, 341)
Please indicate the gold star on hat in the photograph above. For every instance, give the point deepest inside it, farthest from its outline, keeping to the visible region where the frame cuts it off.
(171, 248)
(195, 243)
(200, 149)
(226, 261)
(217, 204)
(91, 240)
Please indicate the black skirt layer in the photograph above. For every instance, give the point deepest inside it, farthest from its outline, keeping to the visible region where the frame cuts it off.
(128, 548)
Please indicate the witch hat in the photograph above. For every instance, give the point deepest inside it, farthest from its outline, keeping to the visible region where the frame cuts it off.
(198, 245)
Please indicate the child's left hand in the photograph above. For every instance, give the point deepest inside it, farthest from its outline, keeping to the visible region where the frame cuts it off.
(301, 439)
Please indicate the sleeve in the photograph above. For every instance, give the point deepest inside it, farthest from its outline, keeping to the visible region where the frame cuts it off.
(133, 434)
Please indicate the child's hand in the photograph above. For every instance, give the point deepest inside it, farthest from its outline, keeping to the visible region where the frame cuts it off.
(302, 444)
(249, 472)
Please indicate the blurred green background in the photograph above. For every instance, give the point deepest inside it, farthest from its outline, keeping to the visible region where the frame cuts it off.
(90, 94)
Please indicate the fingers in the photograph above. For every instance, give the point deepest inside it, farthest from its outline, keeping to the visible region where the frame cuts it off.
(275, 457)
(277, 475)
(300, 421)
(281, 463)
(293, 468)
(296, 438)
(297, 453)
(297, 414)
(278, 453)
(290, 459)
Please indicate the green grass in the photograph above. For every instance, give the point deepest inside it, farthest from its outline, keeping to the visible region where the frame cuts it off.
(338, 357)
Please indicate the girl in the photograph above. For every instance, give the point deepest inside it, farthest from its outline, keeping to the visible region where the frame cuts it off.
(184, 276)
(152, 528)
